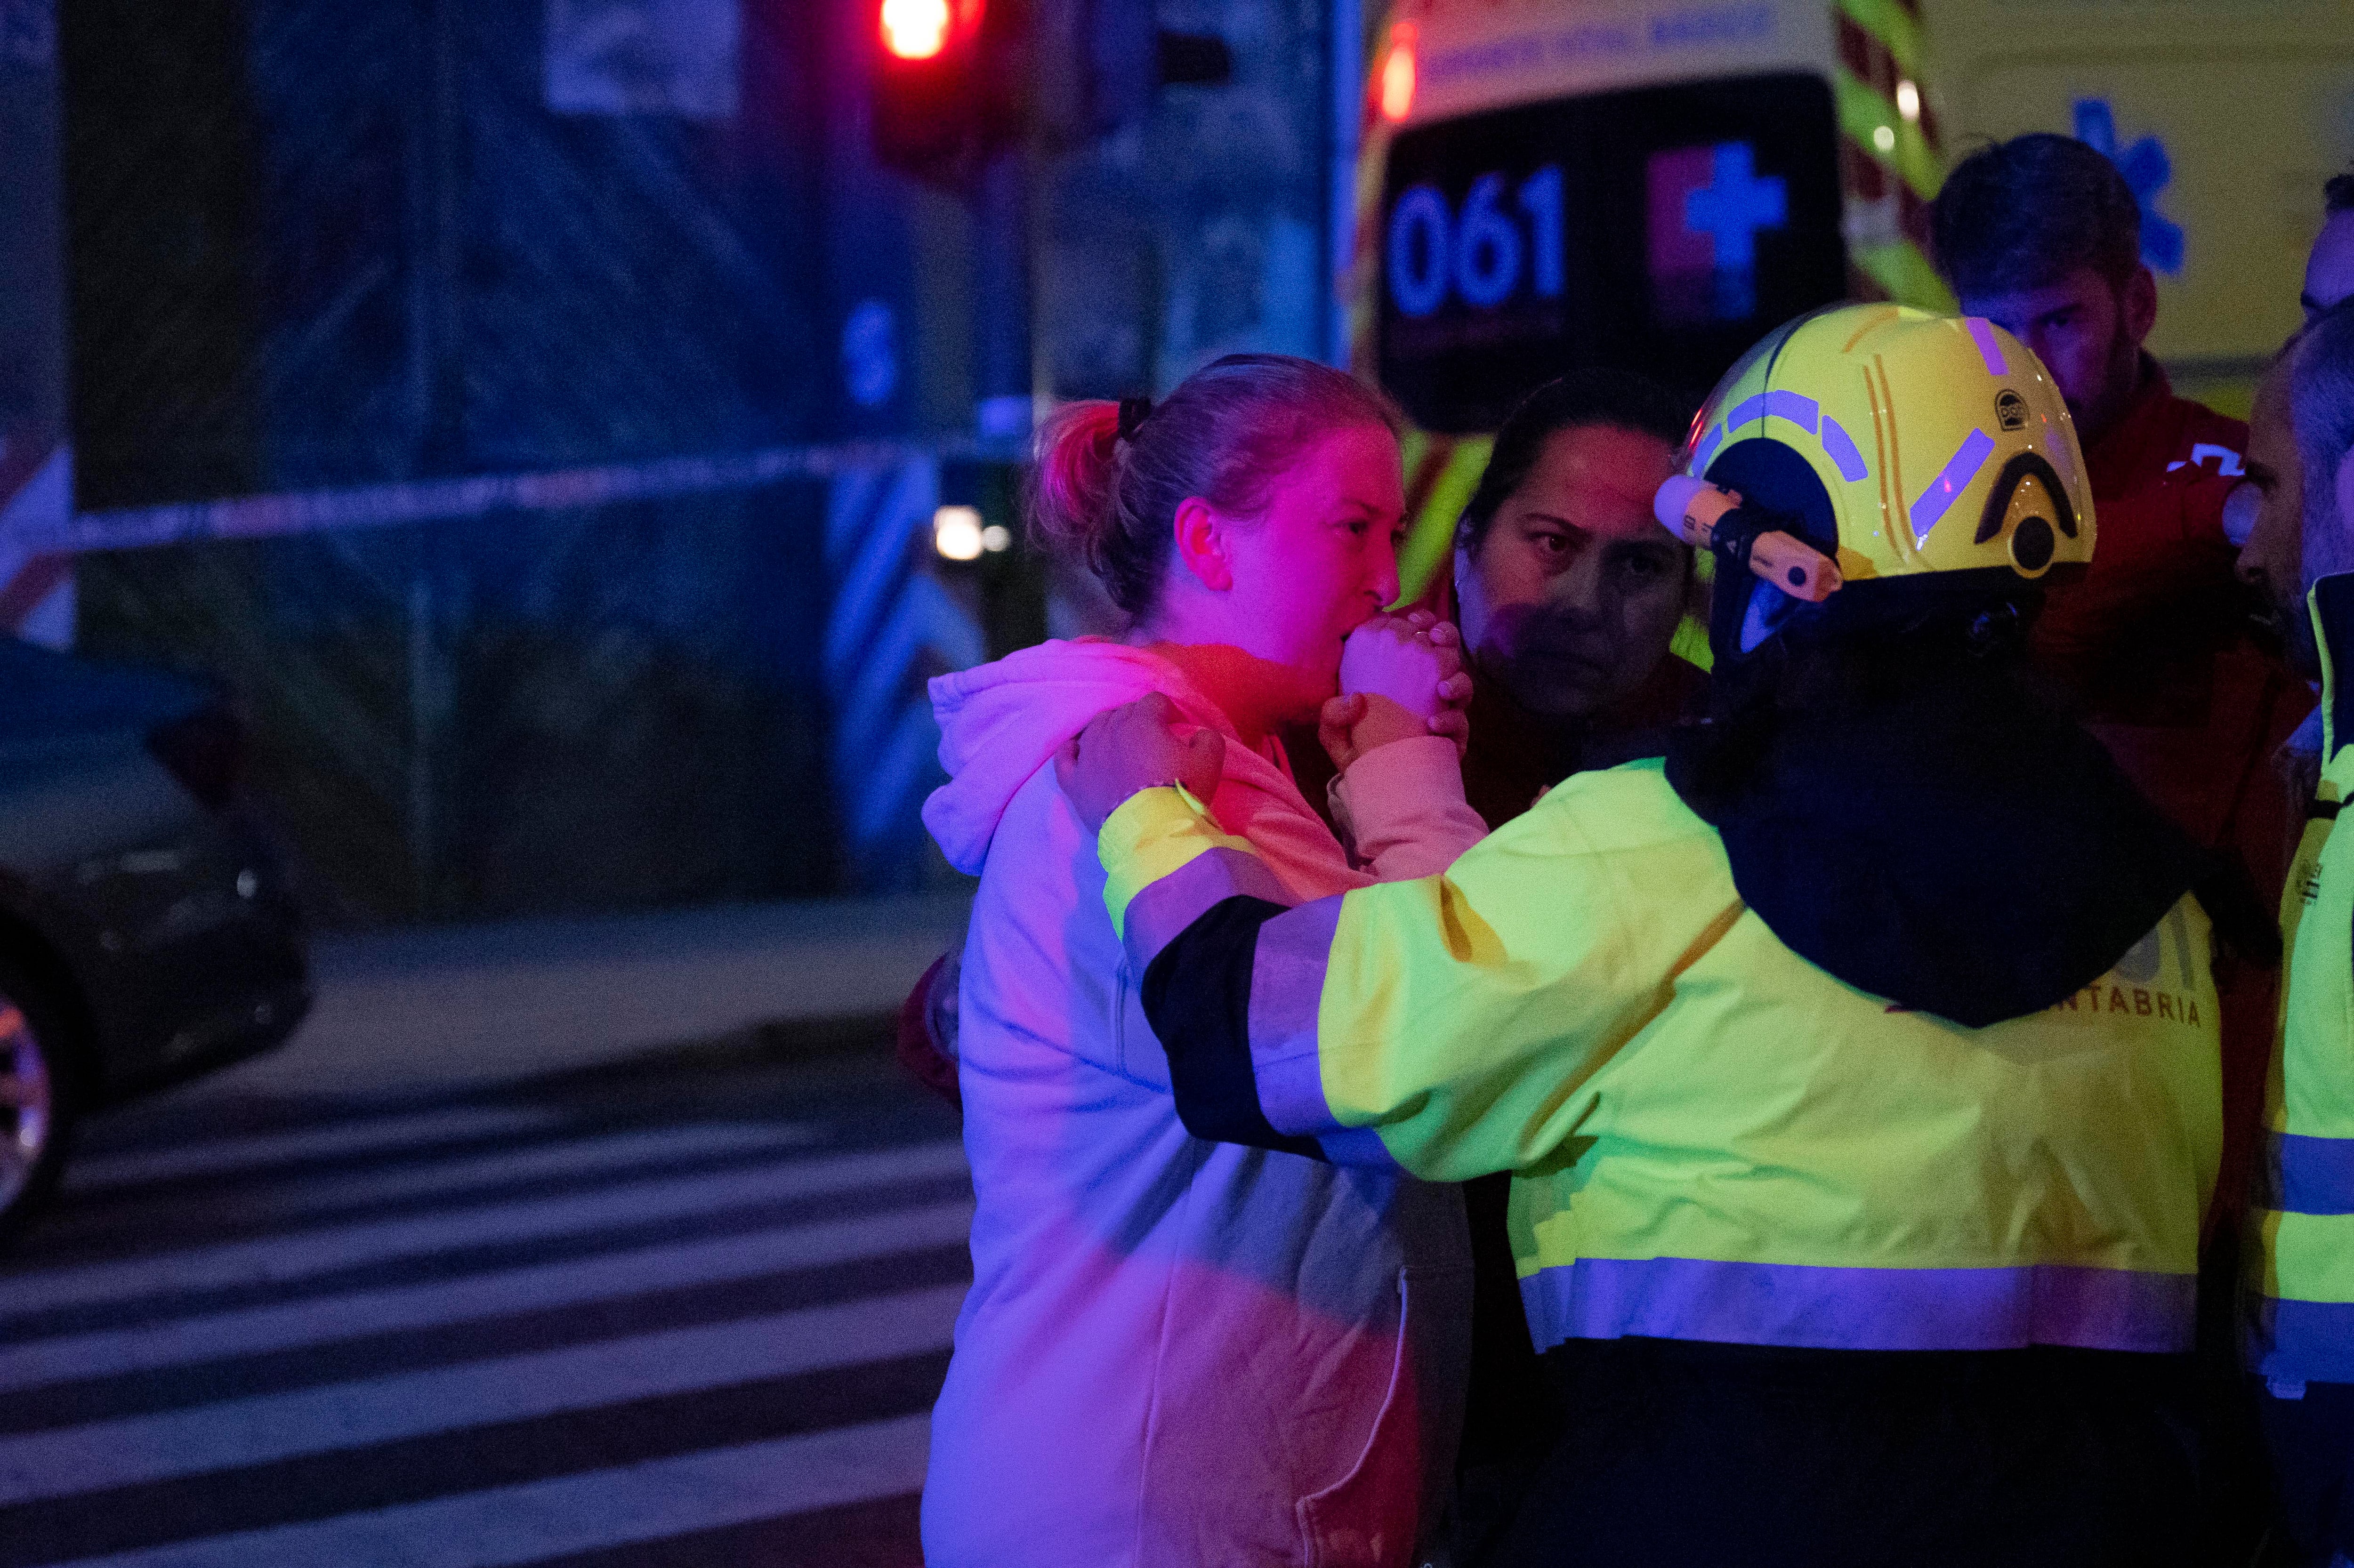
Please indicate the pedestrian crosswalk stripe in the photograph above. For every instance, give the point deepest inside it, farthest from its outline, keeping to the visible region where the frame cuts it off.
(259, 1329)
(72, 1404)
(100, 1174)
(462, 1258)
(285, 1259)
(509, 1527)
(243, 1432)
(279, 1206)
(464, 1460)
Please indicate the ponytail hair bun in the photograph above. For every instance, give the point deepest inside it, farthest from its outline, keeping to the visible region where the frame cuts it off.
(1071, 491)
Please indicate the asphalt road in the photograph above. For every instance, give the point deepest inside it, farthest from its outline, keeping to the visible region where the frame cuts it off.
(686, 1306)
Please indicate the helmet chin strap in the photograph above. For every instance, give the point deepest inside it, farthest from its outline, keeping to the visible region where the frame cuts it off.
(1997, 631)
(1764, 618)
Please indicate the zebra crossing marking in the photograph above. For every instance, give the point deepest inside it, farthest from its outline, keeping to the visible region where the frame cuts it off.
(232, 1433)
(259, 1329)
(94, 1175)
(291, 1202)
(281, 1259)
(507, 1527)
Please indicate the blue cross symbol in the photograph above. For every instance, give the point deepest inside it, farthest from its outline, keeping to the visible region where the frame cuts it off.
(1732, 209)
(2147, 170)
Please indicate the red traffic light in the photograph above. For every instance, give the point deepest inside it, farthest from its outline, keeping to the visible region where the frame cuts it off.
(915, 29)
(926, 29)
(944, 82)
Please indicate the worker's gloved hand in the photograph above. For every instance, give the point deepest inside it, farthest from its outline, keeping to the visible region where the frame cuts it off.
(1137, 747)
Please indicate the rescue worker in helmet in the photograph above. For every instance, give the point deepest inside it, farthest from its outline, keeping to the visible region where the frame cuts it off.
(1857, 1064)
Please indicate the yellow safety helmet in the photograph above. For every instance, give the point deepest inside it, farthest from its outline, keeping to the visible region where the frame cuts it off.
(1907, 443)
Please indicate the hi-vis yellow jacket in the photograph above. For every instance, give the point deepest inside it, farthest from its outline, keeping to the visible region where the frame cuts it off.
(2300, 1257)
(1715, 1139)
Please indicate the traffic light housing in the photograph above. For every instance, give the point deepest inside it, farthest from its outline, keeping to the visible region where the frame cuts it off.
(946, 82)
(955, 79)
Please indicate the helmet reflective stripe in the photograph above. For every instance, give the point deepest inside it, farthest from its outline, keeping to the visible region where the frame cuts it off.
(1799, 410)
(1706, 451)
(1951, 481)
(1989, 347)
(1803, 412)
(1842, 447)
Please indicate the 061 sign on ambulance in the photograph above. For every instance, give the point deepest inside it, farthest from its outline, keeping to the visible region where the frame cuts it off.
(1653, 183)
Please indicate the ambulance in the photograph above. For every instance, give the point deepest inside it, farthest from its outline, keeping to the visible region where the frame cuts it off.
(1653, 183)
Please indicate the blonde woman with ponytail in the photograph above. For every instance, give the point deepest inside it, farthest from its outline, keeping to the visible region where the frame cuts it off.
(1179, 1353)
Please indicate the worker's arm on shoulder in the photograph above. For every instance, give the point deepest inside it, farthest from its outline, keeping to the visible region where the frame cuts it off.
(1139, 786)
(1168, 865)
(1447, 1025)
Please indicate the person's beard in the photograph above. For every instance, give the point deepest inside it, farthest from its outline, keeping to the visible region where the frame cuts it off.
(2122, 361)
(2298, 645)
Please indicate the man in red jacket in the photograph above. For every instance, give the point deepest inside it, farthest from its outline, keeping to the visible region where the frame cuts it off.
(2153, 648)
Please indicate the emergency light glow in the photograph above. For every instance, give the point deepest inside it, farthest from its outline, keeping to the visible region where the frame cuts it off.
(1397, 73)
(915, 29)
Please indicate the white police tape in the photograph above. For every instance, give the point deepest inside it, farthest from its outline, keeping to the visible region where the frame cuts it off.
(477, 495)
(37, 586)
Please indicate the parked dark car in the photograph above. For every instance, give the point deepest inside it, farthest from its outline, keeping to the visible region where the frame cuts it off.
(147, 934)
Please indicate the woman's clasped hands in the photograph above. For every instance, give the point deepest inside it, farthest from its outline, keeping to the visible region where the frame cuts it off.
(1400, 676)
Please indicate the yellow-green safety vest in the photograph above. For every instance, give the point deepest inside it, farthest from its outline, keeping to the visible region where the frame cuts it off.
(1711, 1138)
(2300, 1246)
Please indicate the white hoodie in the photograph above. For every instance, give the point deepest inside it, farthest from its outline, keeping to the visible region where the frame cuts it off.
(1174, 1352)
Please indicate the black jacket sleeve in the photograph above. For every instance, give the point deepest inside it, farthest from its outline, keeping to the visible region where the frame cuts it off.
(1197, 996)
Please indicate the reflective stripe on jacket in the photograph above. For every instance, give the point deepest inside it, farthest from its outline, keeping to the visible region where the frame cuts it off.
(1715, 1139)
(2301, 1259)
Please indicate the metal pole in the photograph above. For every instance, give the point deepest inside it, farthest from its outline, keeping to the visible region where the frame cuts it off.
(436, 391)
(424, 722)
(437, 384)
(1347, 63)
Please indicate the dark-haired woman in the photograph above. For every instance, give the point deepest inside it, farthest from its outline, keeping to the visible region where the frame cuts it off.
(1567, 591)
(1174, 1351)
(1569, 595)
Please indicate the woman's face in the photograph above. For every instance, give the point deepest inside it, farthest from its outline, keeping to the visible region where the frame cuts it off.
(1322, 556)
(1576, 591)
